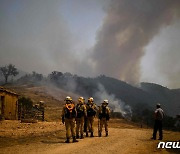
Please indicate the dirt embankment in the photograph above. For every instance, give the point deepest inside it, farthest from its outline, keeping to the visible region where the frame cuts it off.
(48, 137)
(52, 96)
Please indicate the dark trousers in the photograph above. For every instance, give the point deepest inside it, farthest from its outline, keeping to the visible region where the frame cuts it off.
(158, 126)
(85, 124)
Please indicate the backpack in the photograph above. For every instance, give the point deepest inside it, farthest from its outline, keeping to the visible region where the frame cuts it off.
(104, 113)
(80, 111)
(90, 111)
(70, 111)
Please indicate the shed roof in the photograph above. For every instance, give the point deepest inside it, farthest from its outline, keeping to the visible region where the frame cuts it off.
(7, 91)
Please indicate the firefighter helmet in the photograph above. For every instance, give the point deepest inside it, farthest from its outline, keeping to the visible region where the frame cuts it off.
(68, 98)
(90, 99)
(81, 99)
(105, 101)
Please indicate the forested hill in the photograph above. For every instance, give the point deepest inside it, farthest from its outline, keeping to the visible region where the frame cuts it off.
(146, 96)
(169, 98)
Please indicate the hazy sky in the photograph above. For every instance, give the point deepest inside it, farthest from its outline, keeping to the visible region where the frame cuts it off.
(133, 41)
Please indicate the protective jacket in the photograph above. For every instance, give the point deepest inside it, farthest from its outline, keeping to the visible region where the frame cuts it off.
(91, 110)
(104, 112)
(81, 110)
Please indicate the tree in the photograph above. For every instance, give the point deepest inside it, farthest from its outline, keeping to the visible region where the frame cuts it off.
(36, 76)
(8, 70)
(55, 75)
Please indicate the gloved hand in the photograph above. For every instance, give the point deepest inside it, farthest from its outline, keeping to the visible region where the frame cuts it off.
(63, 120)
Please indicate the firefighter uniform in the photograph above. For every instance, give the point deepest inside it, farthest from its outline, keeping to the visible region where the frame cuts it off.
(68, 116)
(81, 114)
(91, 112)
(104, 115)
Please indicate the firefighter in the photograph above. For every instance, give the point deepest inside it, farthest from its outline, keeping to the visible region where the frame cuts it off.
(158, 115)
(68, 117)
(91, 112)
(104, 115)
(81, 113)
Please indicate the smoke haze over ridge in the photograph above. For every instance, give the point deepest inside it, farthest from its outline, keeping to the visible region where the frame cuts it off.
(43, 36)
(128, 27)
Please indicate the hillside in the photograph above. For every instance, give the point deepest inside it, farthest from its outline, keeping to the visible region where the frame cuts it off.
(145, 96)
(52, 96)
(169, 98)
(57, 85)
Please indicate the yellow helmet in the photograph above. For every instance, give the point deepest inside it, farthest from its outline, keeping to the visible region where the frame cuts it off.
(81, 99)
(91, 100)
(68, 98)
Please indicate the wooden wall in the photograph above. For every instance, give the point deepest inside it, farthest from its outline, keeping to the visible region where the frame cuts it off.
(9, 103)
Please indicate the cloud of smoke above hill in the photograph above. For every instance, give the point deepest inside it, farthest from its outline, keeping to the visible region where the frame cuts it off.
(37, 36)
(128, 28)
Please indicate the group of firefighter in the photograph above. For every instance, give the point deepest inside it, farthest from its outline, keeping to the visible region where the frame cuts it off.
(79, 118)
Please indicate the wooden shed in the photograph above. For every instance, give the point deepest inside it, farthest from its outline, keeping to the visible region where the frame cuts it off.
(8, 104)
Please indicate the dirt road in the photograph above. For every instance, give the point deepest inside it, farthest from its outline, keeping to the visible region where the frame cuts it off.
(123, 138)
(119, 141)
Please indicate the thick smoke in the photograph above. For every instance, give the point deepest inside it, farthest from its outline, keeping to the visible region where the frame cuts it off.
(162, 54)
(45, 35)
(115, 104)
(35, 37)
(127, 29)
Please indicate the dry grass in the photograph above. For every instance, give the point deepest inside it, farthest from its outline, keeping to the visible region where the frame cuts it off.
(53, 98)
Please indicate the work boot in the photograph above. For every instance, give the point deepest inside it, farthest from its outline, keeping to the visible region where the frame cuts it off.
(81, 136)
(74, 139)
(67, 140)
(86, 134)
(77, 136)
(92, 134)
(106, 133)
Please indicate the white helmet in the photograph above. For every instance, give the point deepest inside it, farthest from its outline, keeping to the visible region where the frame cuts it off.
(105, 101)
(68, 98)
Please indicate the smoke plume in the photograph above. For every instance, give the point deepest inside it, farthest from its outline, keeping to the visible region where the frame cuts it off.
(128, 27)
(45, 35)
(115, 104)
(162, 54)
